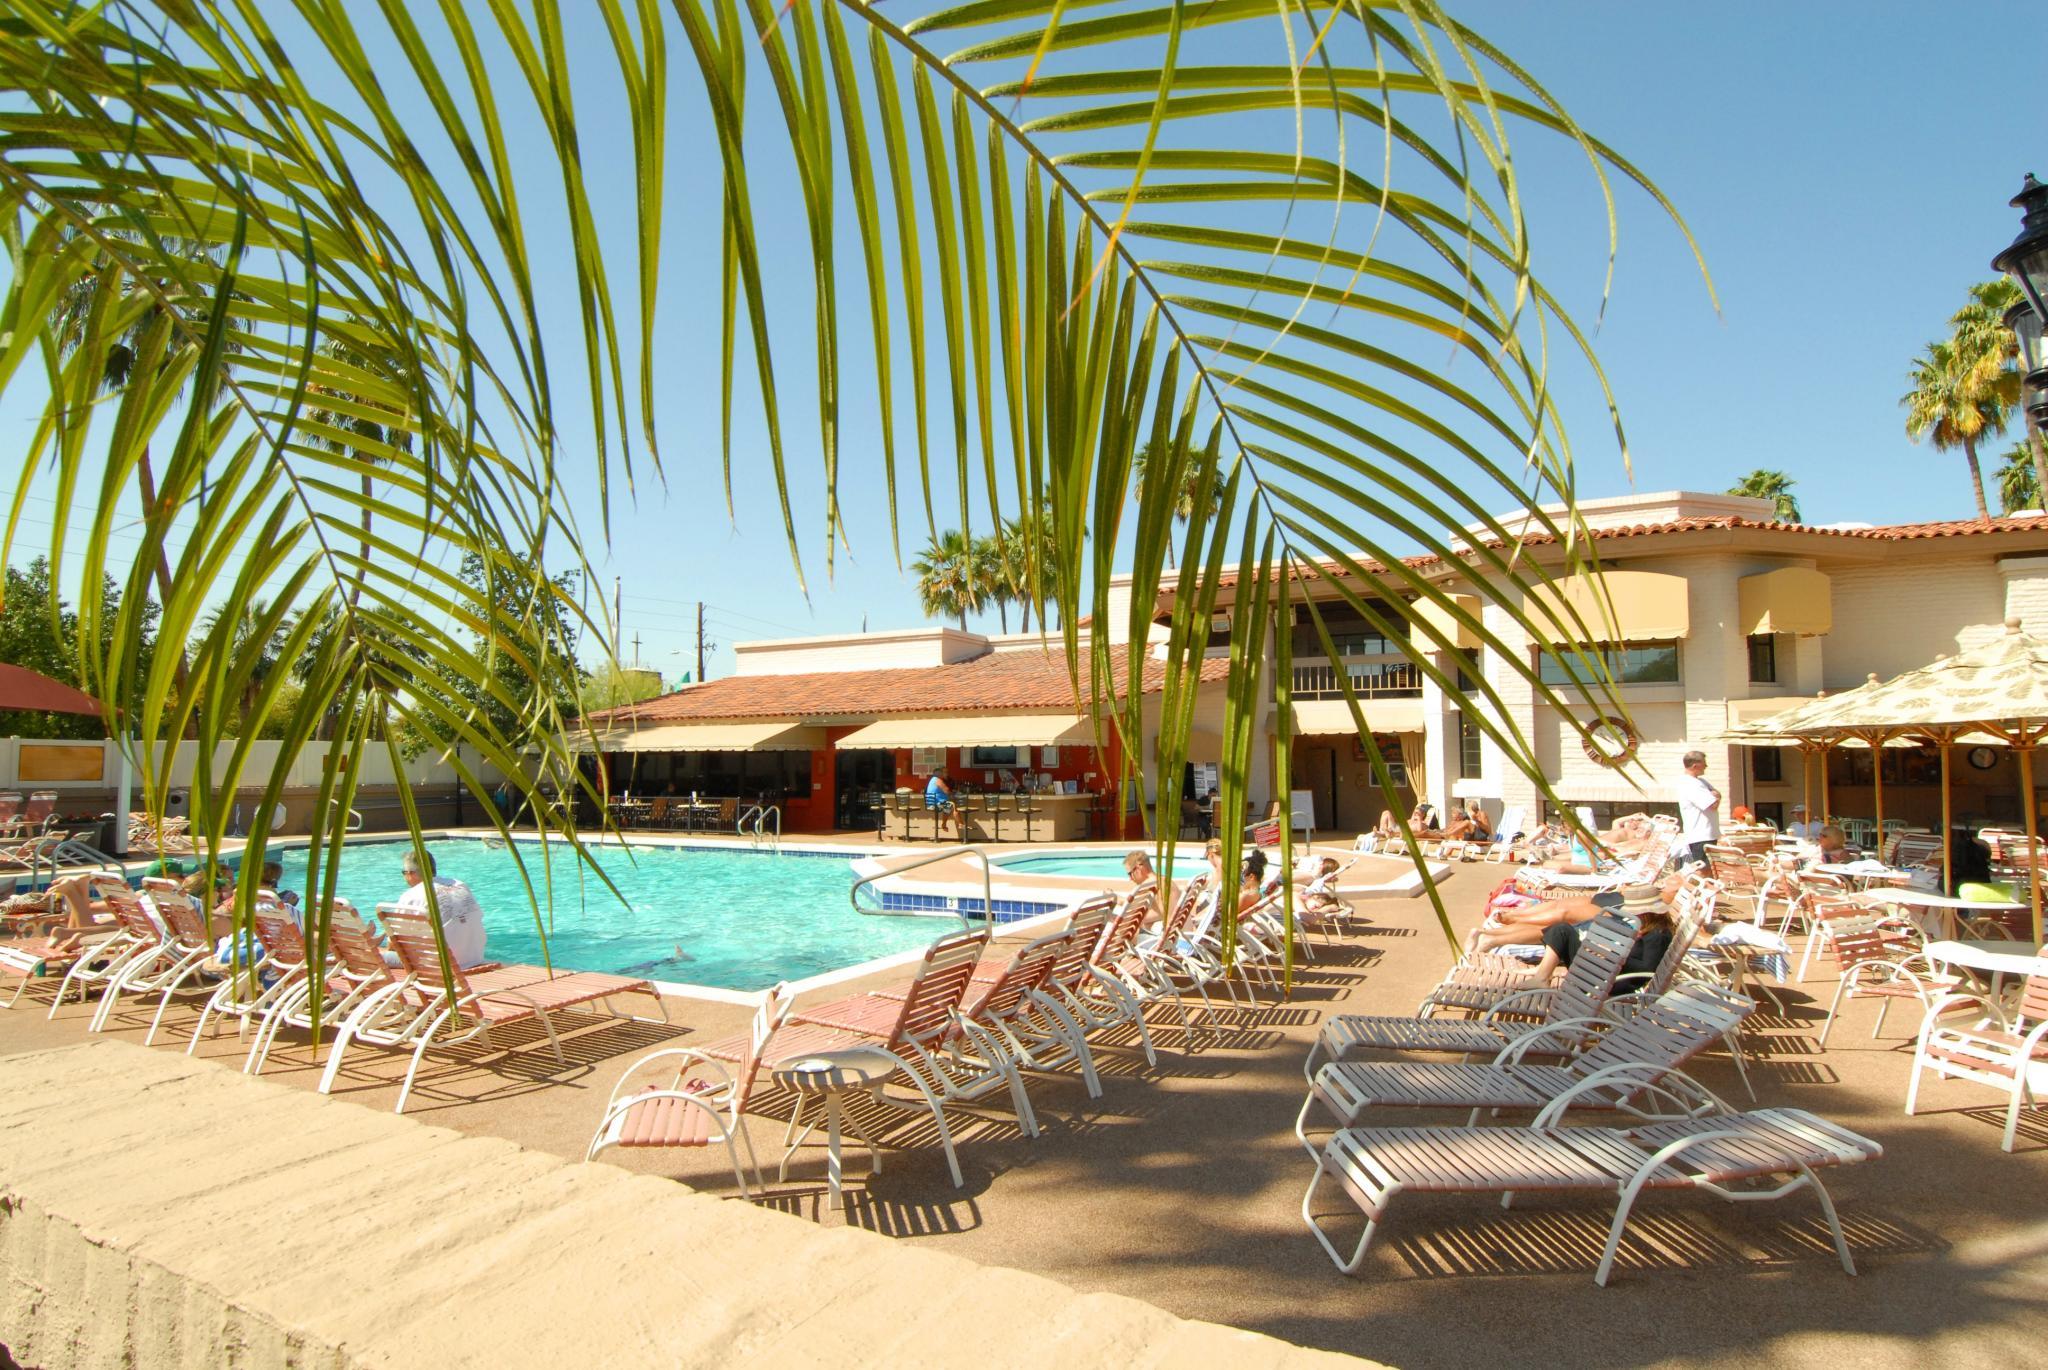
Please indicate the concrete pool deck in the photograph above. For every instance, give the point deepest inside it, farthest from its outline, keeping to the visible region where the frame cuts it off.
(1181, 1187)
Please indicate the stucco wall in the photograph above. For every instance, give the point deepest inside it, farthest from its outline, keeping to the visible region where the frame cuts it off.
(156, 1211)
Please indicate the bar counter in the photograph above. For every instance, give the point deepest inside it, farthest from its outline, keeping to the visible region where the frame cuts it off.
(1054, 818)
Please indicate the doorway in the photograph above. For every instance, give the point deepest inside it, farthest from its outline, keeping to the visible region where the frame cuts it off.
(861, 778)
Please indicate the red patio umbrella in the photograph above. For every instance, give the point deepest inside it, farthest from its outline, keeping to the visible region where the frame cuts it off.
(21, 688)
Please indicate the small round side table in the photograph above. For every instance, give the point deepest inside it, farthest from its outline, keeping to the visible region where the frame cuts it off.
(829, 1076)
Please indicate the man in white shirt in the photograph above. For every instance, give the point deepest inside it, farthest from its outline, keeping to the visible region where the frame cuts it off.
(462, 921)
(1699, 808)
(1800, 828)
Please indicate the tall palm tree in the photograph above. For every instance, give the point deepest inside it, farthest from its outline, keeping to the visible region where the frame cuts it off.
(256, 639)
(1774, 486)
(1029, 552)
(1978, 331)
(951, 576)
(1955, 404)
(1101, 279)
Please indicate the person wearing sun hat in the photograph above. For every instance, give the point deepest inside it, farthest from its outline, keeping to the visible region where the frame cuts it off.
(1800, 827)
(1642, 905)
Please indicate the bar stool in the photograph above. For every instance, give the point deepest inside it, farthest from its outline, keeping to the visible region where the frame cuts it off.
(997, 802)
(1027, 805)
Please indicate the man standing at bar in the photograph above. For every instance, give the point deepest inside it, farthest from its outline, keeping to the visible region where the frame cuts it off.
(1699, 808)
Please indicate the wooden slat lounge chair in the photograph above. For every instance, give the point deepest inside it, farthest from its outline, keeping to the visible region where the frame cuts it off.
(1123, 970)
(1741, 1157)
(354, 972)
(1624, 1068)
(702, 1102)
(1879, 960)
(1603, 947)
(1985, 1043)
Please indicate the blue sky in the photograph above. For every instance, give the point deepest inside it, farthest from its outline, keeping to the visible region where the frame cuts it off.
(1846, 169)
(1844, 166)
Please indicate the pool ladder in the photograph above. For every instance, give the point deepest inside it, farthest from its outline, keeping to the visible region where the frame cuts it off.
(754, 824)
(988, 903)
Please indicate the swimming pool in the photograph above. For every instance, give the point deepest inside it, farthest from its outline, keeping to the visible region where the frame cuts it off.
(1107, 867)
(729, 919)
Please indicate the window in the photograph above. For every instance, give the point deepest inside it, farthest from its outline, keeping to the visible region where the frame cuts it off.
(1763, 659)
(1766, 764)
(1469, 747)
(1629, 663)
(1467, 659)
(1773, 814)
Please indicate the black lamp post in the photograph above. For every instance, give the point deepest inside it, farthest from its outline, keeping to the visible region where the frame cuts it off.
(2026, 261)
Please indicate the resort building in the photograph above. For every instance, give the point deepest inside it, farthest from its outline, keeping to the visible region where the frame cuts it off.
(1720, 616)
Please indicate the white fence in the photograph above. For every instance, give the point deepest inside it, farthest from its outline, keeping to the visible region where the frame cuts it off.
(33, 763)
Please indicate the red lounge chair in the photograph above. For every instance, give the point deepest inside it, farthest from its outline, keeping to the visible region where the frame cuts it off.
(694, 1109)
(421, 1013)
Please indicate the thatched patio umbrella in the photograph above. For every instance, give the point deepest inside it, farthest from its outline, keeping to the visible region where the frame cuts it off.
(1999, 689)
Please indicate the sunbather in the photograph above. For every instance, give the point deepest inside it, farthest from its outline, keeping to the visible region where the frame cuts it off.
(1389, 827)
(1525, 924)
(1645, 904)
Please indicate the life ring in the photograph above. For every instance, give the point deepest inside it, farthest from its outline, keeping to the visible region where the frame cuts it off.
(1618, 732)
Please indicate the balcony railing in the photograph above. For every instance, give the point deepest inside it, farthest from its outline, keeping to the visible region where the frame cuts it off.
(1369, 680)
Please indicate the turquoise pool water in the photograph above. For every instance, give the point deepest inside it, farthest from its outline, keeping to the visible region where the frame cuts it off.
(735, 920)
(1109, 868)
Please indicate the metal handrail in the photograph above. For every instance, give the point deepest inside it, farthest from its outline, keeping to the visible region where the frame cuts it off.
(988, 900)
(760, 814)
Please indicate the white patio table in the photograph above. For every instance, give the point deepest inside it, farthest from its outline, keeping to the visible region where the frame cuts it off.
(1996, 959)
(1940, 908)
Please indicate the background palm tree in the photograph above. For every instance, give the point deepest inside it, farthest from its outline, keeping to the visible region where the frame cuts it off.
(952, 576)
(1186, 493)
(1954, 403)
(2019, 483)
(1029, 554)
(1774, 486)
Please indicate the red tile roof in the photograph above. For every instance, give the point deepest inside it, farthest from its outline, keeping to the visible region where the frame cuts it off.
(1025, 681)
(1893, 532)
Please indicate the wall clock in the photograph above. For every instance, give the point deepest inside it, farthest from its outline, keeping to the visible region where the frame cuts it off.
(1983, 758)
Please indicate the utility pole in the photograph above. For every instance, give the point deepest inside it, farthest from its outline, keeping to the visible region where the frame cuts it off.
(636, 650)
(700, 642)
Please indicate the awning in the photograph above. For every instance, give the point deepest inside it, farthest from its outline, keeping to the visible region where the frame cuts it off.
(1332, 717)
(1741, 711)
(21, 688)
(729, 736)
(1791, 599)
(975, 730)
(1648, 606)
(1438, 617)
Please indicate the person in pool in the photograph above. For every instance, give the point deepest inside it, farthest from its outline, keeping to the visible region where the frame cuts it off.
(938, 797)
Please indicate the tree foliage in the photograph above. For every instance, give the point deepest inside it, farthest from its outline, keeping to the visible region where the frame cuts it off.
(1243, 237)
(39, 630)
(1774, 486)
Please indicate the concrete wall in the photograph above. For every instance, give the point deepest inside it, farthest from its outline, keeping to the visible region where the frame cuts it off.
(884, 650)
(327, 1235)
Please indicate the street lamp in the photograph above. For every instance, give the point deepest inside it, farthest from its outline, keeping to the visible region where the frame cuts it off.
(2026, 261)
(2032, 332)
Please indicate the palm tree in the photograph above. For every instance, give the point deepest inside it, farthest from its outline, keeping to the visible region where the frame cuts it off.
(1070, 322)
(1185, 495)
(951, 576)
(372, 423)
(255, 645)
(1029, 552)
(1978, 330)
(2019, 484)
(1774, 486)
(1953, 402)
